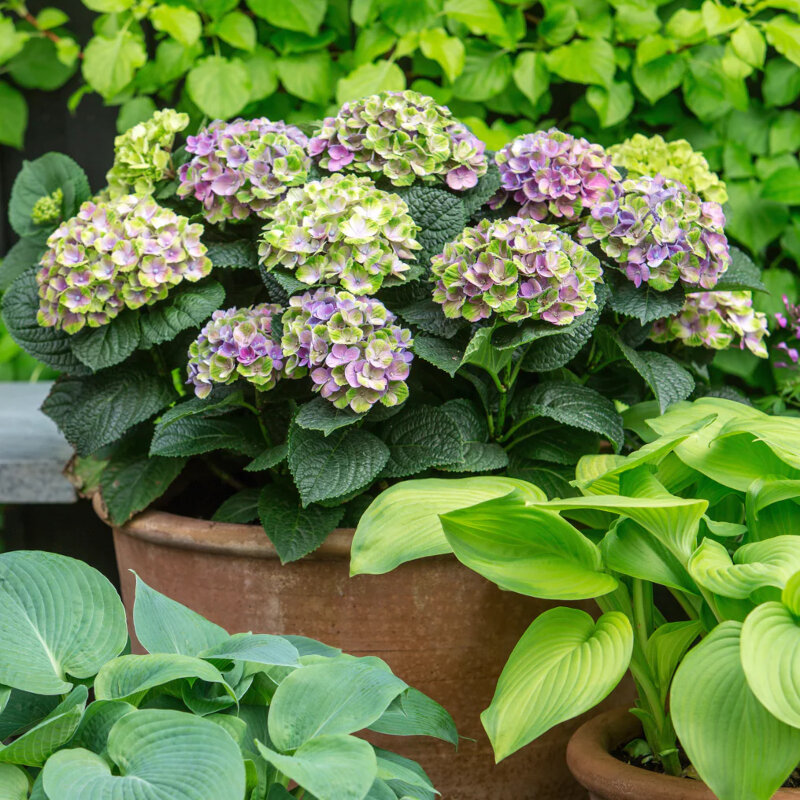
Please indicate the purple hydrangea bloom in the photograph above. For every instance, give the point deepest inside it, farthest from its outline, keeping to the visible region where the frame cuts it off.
(243, 167)
(789, 333)
(659, 233)
(236, 343)
(714, 320)
(115, 254)
(553, 174)
(403, 136)
(354, 352)
(517, 268)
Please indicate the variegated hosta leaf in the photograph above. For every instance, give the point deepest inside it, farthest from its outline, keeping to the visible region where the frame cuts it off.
(527, 549)
(737, 746)
(402, 523)
(768, 563)
(564, 664)
(770, 643)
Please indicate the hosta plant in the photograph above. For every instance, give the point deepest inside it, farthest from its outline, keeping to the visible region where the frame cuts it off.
(263, 323)
(202, 714)
(690, 547)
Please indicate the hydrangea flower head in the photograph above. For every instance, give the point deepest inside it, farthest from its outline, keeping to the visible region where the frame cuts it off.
(357, 356)
(116, 254)
(517, 268)
(243, 167)
(553, 174)
(236, 343)
(403, 136)
(642, 155)
(341, 229)
(48, 208)
(659, 233)
(142, 155)
(714, 320)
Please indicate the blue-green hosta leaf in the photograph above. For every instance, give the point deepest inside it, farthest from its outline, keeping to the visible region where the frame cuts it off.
(414, 714)
(392, 767)
(259, 648)
(564, 664)
(527, 549)
(754, 566)
(129, 677)
(402, 523)
(97, 722)
(163, 625)
(22, 710)
(334, 767)
(13, 783)
(329, 698)
(35, 746)
(59, 619)
(667, 646)
(737, 746)
(160, 755)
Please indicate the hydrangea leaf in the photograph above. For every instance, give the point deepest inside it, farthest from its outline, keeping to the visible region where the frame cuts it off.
(22, 256)
(741, 275)
(554, 352)
(219, 86)
(109, 344)
(241, 508)
(445, 354)
(645, 303)
(319, 415)
(197, 434)
(477, 455)
(271, 457)
(189, 308)
(241, 253)
(427, 316)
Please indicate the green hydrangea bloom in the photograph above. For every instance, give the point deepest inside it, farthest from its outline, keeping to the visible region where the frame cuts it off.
(643, 155)
(142, 154)
(341, 229)
(48, 208)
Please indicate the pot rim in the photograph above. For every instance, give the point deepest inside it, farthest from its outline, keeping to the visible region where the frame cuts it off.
(223, 538)
(590, 761)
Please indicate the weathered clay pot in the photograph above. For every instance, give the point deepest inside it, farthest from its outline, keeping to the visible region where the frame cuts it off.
(441, 627)
(607, 778)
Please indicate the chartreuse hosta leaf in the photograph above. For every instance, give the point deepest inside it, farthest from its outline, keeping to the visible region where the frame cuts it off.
(330, 698)
(159, 755)
(564, 664)
(332, 767)
(13, 783)
(770, 641)
(770, 506)
(402, 523)
(754, 566)
(55, 730)
(527, 549)
(737, 746)
(59, 619)
(780, 434)
(666, 647)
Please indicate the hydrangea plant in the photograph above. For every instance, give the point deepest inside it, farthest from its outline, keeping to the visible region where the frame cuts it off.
(518, 269)
(143, 154)
(660, 233)
(116, 254)
(341, 229)
(788, 323)
(402, 136)
(716, 320)
(48, 208)
(553, 174)
(651, 155)
(243, 167)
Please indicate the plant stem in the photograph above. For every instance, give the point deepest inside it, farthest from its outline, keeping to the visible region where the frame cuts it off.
(224, 475)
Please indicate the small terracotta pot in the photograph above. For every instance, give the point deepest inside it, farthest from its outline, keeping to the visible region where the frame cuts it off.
(442, 628)
(607, 778)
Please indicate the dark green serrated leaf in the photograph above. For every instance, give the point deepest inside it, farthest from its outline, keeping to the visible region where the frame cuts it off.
(509, 337)
(131, 483)
(553, 481)
(741, 275)
(287, 282)
(271, 457)
(295, 530)
(109, 344)
(24, 255)
(477, 454)
(241, 508)
(325, 467)
(320, 414)
(668, 380)
(483, 191)
(572, 404)
(645, 303)
(48, 345)
(559, 446)
(240, 254)
(188, 308)
(222, 400)
(419, 438)
(194, 435)
(442, 353)
(552, 353)
(97, 410)
(429, 317)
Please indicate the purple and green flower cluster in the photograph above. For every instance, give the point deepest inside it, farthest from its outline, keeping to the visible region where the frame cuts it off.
(789, 332)
(342, 229)
(402, 136)
(553, 174)
(660, 233)
(715, 320)
(236, 343)
(517, 268)
(357, 356)
(243, 167)
(115, 254)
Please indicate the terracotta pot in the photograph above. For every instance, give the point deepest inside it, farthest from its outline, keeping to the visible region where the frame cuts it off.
(607, 778)
(442, 628)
